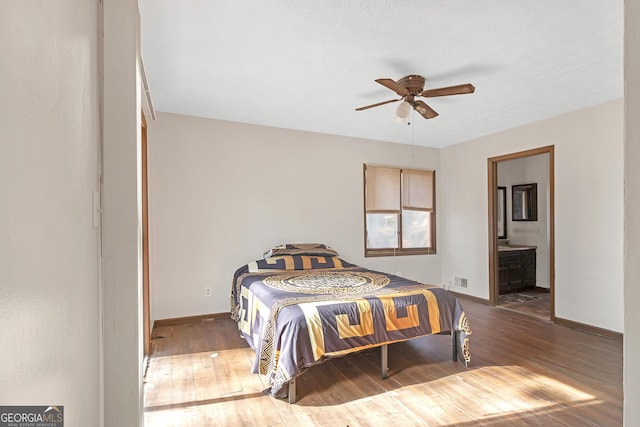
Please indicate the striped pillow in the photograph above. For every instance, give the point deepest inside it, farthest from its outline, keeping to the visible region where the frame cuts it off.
(301, 249)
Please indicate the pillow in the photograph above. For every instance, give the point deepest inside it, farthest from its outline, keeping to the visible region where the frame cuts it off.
(297, 262)
(301, 249)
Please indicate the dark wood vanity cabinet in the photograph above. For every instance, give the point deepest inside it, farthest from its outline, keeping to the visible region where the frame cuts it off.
(516, 270)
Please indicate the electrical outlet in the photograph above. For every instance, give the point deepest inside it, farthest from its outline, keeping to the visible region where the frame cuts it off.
(207, 291)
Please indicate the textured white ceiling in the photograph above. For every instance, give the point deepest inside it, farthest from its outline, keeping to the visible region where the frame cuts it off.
(308, 64)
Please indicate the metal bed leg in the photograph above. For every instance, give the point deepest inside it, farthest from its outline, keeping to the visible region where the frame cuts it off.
(384, 356)
(292, 391)
(455, 339)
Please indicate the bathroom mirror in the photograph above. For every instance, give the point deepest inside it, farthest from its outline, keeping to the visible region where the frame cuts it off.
(524, 202)
(502, 213)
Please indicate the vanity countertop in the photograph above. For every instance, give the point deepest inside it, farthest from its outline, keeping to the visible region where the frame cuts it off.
(502, 248)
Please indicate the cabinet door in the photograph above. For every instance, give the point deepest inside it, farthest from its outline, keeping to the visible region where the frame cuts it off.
(509, 266)
(529, 269)
(515, 276)
(503, 279)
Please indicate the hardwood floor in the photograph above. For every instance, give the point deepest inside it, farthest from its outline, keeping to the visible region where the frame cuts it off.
(523, 371)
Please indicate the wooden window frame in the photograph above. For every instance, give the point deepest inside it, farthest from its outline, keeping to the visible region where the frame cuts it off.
(400, 251)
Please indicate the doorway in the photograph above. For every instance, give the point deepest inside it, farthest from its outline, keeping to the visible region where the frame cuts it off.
(521, 232)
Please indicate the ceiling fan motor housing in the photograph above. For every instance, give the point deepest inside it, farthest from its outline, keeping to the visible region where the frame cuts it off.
(413, 83)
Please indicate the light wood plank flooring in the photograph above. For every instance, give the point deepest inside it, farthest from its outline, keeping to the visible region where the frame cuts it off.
(524, 371)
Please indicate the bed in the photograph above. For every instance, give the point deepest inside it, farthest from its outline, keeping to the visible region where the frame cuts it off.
(302, 304)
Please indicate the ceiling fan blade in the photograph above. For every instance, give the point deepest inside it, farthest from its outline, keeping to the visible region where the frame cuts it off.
(378, 104)
(426, 111)
(391, 84)
(450, 90)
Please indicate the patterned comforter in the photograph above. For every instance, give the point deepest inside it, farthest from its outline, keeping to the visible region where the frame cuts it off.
(297, 311)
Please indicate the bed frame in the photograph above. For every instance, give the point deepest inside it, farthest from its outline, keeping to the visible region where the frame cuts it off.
(384, 369)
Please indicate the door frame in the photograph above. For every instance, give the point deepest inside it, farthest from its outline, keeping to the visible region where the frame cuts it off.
(146, 311)
(492, 172)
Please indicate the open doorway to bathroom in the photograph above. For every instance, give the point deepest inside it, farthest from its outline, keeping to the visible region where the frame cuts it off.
(521, 232)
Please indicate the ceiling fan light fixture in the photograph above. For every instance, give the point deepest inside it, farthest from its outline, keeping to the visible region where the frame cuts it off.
(403, 111)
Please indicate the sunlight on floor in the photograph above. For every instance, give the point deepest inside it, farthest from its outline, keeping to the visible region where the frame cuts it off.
(209, 385)
(499, 392)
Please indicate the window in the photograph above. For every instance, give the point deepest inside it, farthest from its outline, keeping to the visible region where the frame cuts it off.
(399, 209)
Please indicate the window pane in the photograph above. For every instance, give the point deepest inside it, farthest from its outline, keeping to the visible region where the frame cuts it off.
(416, 229)
(382, 231)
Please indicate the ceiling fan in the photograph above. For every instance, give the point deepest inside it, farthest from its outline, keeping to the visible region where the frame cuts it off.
(411, 86)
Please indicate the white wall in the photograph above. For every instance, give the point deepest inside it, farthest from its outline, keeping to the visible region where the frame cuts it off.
(121, 226)
(632, 216)
(222, 193)
(49, 139)
(533, 169)
(588, 209)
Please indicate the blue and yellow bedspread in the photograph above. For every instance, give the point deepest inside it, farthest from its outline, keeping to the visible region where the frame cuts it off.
(297, 311)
